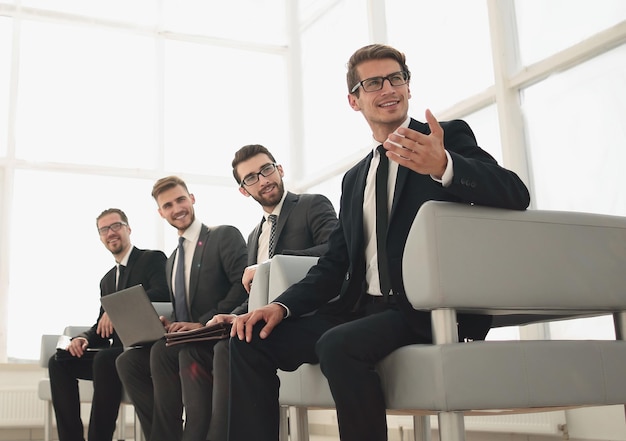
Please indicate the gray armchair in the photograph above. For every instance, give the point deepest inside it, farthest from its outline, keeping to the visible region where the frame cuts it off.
(519, 266)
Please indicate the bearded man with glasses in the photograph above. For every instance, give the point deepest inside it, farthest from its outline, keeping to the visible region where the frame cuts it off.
(92, 354)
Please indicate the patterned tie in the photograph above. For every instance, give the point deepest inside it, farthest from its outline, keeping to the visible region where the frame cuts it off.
(382, 221)
(272, 219)
(180, 296)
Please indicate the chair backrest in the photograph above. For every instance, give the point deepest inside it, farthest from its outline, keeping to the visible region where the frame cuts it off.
(517, 262)
(164, 309)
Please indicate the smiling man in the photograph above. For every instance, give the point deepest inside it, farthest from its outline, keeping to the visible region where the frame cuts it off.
(409, 163)
(204, 277)
(132, 267)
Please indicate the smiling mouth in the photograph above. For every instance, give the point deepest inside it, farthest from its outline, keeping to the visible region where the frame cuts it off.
(268, 189)
(389, 104)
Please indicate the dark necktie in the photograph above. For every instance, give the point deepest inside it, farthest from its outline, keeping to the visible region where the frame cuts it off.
(382, 221)
(272, 219)
(120, 277)
(179, 285)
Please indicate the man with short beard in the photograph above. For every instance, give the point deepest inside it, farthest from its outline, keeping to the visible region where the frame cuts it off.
(303, 225)
(162, 380)
(132, 267)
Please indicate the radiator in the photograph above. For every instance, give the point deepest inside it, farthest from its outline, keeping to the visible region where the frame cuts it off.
(543, 423)
(20, 408)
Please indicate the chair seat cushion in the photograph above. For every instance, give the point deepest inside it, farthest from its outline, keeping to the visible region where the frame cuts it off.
(505, 375)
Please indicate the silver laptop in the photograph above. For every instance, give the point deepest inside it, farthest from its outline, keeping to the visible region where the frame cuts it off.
(133, 316)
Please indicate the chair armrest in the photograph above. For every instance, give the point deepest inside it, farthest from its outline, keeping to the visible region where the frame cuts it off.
(48, 348)
(276, 275)
(287, 270)
(260, 286)
(480, 259)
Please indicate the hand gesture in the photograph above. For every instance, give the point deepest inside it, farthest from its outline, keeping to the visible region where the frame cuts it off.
(424, 154)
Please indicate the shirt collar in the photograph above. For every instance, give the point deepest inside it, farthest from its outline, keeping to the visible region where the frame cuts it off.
(375, 143)
(192, 233)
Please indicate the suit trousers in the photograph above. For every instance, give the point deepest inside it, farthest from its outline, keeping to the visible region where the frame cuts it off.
(221, 392)
(107, 395)
(347, 353)
(162, 380)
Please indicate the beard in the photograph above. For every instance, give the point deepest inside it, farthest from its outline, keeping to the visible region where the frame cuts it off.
(271, 200)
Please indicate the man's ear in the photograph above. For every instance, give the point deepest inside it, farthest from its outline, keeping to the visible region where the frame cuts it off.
(280, 171)
(160, 213)
(244, 192)
(352, 100)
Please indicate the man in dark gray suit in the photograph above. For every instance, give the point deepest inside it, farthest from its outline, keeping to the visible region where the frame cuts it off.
(303, 223)
(211, 261)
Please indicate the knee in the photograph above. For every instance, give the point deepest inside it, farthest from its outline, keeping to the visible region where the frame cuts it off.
(330, 347)
(122, 363)
(53, 366)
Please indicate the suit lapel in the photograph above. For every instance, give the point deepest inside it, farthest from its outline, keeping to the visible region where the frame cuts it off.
(196, 262)
(357, 205)
(290, 201)
(253, 249)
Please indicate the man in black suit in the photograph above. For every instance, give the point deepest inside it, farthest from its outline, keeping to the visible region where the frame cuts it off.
(132, 267)
(371, 317)
(212, 260)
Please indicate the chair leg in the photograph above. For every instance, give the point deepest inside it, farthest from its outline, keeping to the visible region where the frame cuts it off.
(47, 421)
(283, 430)
(138, 432)
(421, 427)
(298, 424)
(451, 426)
(121, 423)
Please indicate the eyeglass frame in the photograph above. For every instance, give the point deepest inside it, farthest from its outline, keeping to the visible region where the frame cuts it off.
(406, 75)
(115, 227)
(255, 175)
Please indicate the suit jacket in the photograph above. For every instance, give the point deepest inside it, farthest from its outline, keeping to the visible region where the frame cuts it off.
(303, 228)
(215, 281)
(478, 179)
(145, 267)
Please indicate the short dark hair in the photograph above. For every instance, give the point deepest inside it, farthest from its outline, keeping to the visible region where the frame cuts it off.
(165, 184)
(246, 152)
(372, 52)
(112, 211)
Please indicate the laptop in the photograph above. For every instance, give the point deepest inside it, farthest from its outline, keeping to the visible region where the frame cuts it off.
(134, 318)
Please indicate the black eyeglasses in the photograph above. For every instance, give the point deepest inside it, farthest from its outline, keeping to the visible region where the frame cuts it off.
(253, 178)
(115, 227)
(376, 83)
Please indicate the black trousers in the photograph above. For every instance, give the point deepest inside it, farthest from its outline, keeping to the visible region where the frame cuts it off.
(162, 380)
(107, 395)
(347, 350)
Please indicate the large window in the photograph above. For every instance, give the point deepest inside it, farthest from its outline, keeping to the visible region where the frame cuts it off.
(100, 99)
